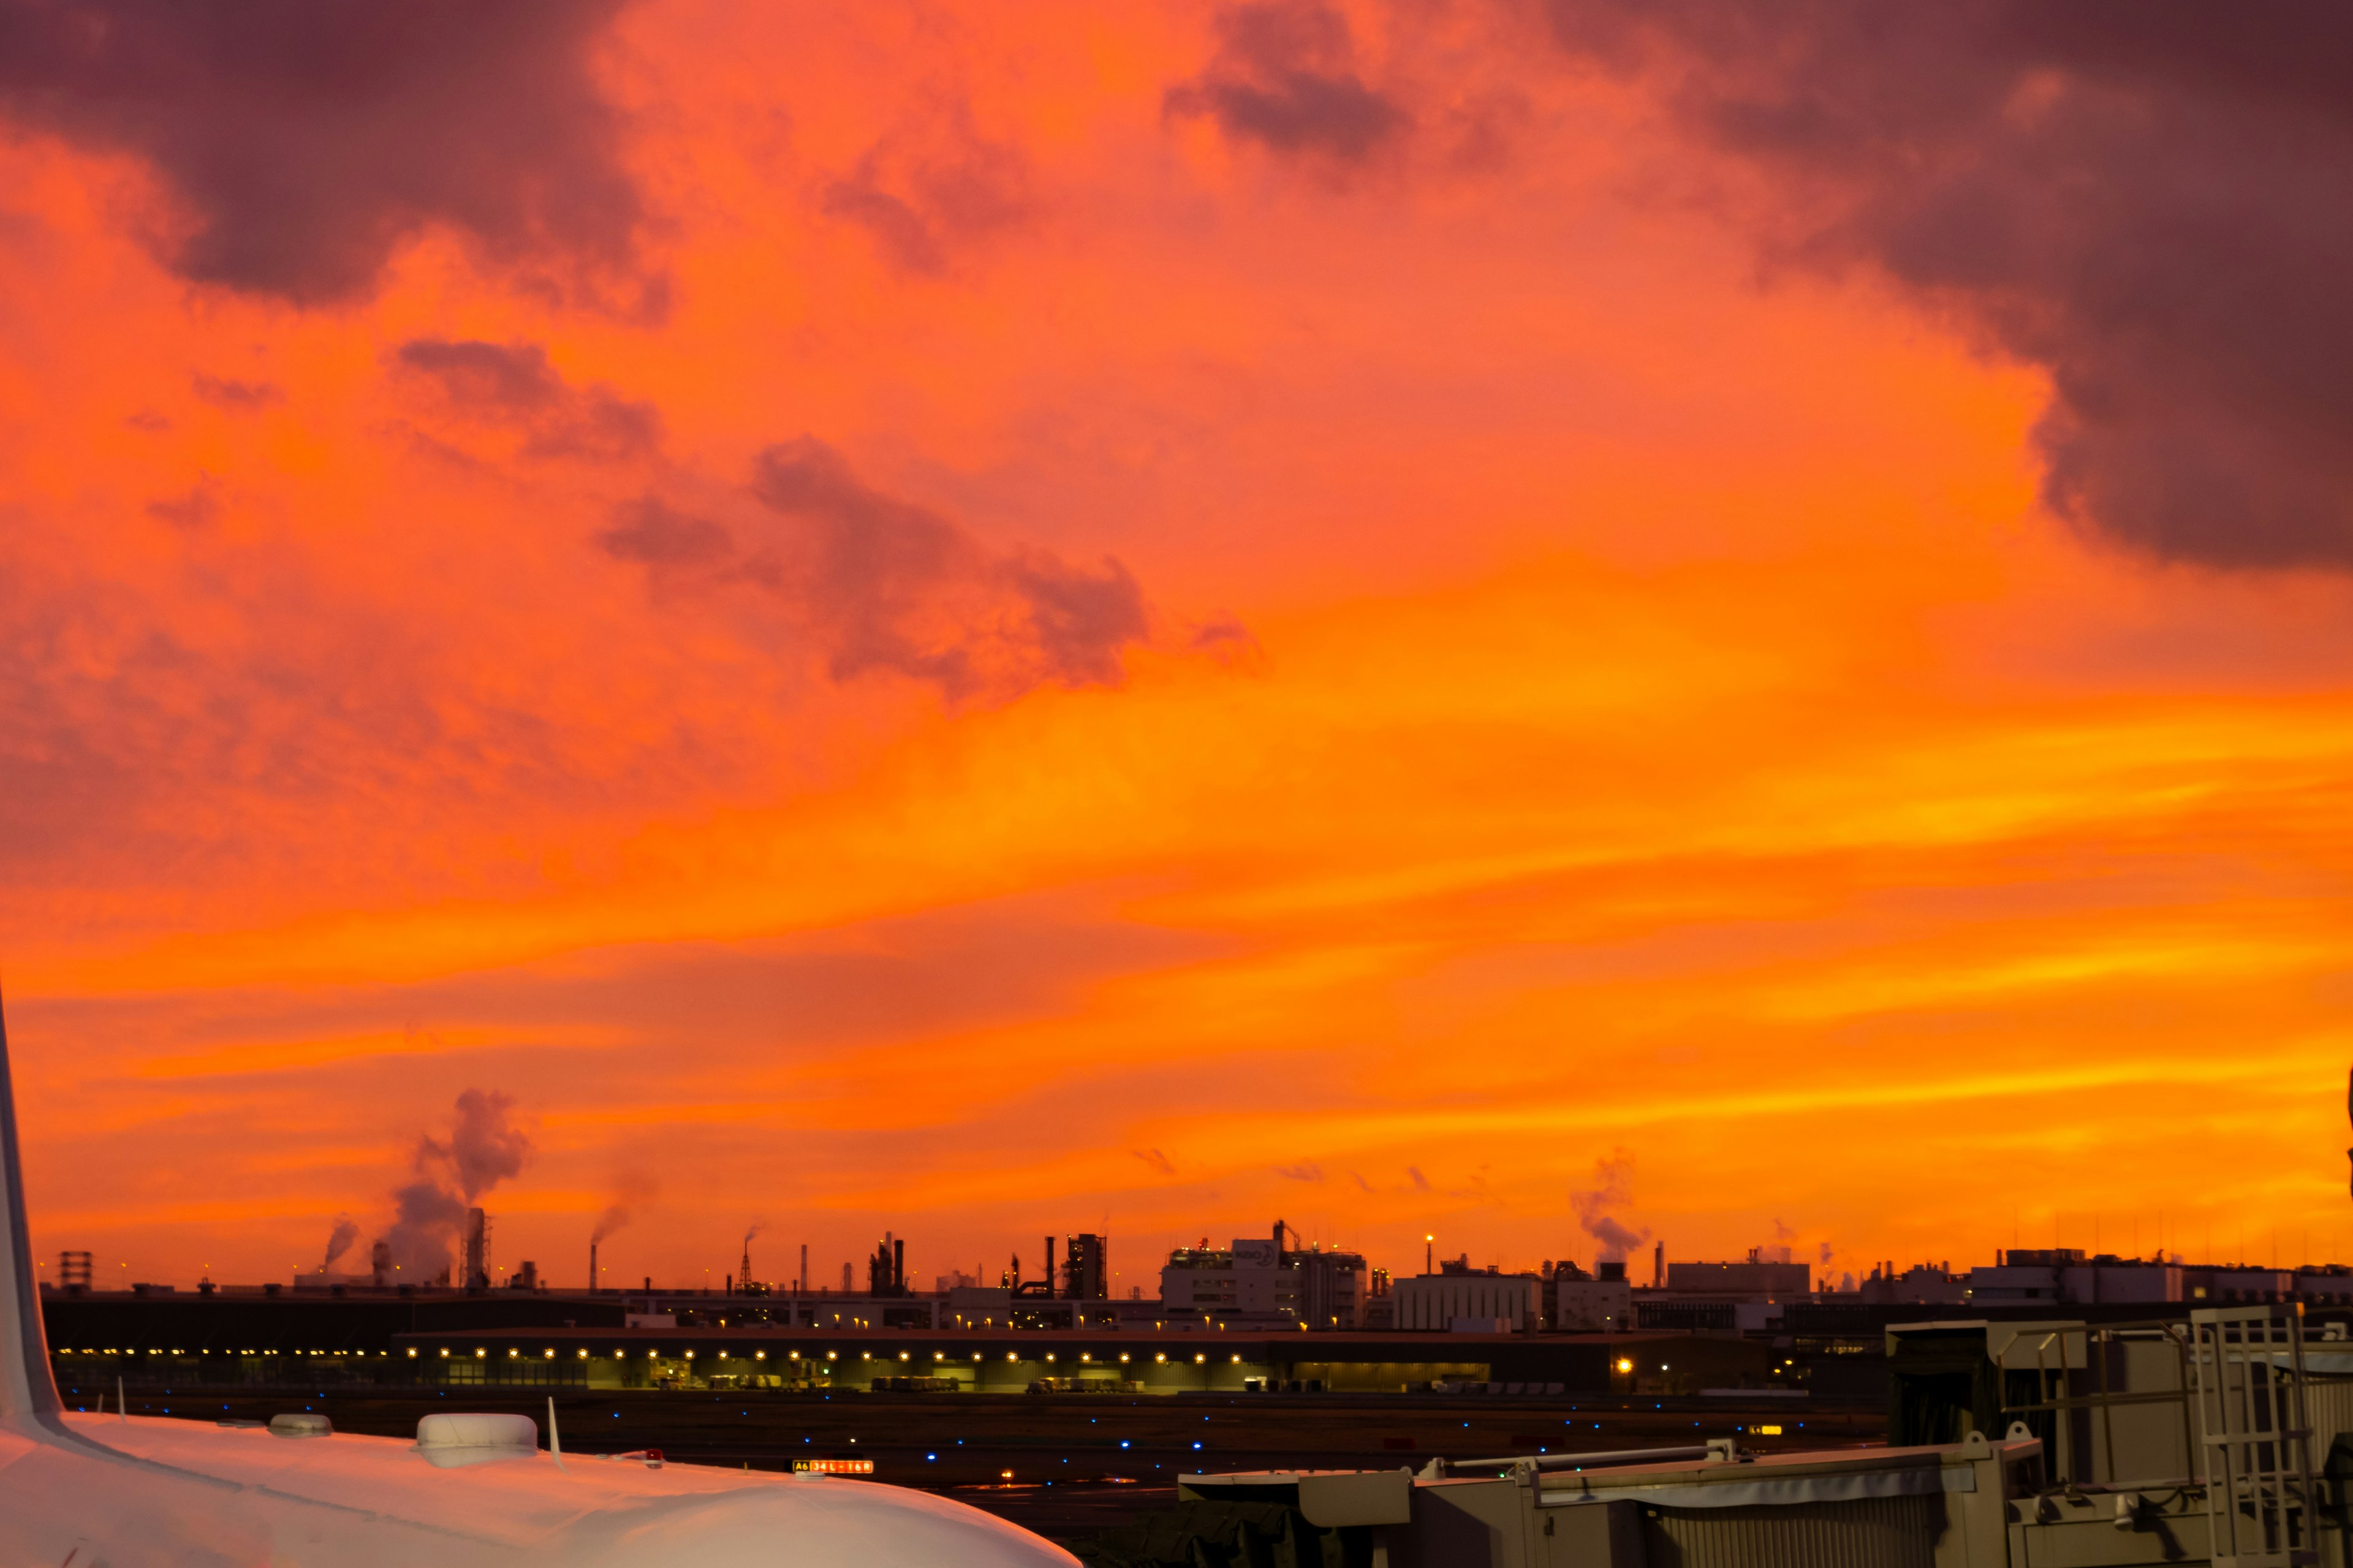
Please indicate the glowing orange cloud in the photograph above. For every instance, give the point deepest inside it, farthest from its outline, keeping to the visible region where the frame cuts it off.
(997, 620)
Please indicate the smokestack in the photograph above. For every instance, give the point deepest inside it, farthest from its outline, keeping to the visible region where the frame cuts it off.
(1659, 1266)
(801, 1285)
(1050, 1268)
(478, 1250)
(592, 1267)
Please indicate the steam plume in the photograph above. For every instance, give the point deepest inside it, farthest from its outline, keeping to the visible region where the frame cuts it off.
(1612, 1179)
(345, 1233)
(483, 1149)
(632, 1192)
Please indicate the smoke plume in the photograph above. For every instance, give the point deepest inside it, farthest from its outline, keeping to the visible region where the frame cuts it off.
(1612, 1177)
(339, 1243)
(484, 1148)
(632, 1192)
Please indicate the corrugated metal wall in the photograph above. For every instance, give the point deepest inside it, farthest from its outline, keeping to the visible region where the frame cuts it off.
(1874, 1532)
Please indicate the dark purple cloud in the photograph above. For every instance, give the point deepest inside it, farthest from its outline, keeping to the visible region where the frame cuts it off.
(237, 396)
(305, 139)
(880, 584)
(927, 195)
(513, 385)
(890, 586)
(199, 508)
(1284, 76)
(654, 534)
(2153, 200)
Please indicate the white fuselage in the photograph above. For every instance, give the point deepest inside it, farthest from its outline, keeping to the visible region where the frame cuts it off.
(93, 1489)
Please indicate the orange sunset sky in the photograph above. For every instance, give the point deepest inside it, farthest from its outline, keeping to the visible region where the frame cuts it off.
(1449, 615)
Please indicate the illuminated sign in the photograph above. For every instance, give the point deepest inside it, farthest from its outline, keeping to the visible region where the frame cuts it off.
(834, 1467)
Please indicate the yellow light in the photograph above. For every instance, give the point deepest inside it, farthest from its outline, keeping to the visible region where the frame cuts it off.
(551, 1355)
(1767, 1431)
(759, 1355)
(1161, 1357)
(903, 1355)
(583, 1355)
(1625, 1364)
(1198, 1358)
(689, 1355)
(479, 1354)
(512, 1354)
(1123, 1356)
(1238, 1361)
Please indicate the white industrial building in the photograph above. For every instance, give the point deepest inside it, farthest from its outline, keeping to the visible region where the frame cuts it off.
(1463, 1301)
(1259, 1282)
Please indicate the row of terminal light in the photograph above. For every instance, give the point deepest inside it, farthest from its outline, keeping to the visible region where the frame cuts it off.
(69, 1349)
(481, 1355)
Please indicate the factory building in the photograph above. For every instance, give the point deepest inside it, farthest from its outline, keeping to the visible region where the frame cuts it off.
(1263, 1284)
(1602, 1302)
(1459, 1299)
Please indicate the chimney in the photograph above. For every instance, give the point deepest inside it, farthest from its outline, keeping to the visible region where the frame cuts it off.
(899, 1266)
(592, 1267)
(802, 1283)
(478, 1250)
(1659, 1267)
(1050, 1268)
